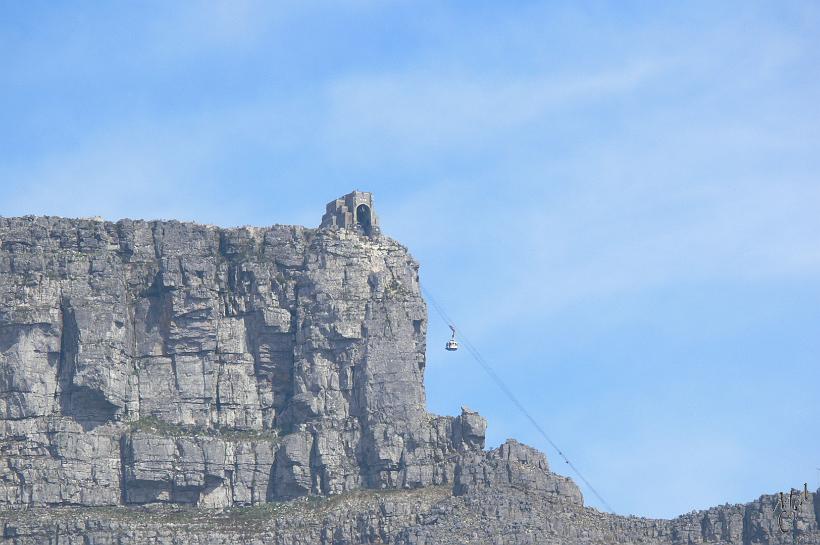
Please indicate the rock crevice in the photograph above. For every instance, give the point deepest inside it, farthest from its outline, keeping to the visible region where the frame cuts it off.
(182, 363)
(216, 382)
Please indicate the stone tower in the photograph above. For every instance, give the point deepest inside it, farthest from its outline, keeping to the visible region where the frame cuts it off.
(353, 211)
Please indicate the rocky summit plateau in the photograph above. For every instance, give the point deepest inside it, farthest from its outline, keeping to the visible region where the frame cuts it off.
(173, 383)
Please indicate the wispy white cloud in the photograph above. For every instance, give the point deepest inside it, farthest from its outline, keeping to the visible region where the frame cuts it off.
(550, 158)
(604, 240)
(167, 167)
(188, 29)
(412, 113)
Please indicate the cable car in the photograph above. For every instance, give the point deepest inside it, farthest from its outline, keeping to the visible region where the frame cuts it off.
(452, 344)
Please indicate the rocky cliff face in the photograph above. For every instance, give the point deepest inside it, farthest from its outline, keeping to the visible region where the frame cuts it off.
(170, 362)
(165, 382)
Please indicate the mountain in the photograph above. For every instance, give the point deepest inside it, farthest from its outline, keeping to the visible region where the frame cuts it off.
(166, 382)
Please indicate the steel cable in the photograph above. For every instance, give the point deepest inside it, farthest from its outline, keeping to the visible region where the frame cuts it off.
(503, 387)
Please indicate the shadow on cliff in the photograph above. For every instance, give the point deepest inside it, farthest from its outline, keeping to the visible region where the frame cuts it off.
(86, 405)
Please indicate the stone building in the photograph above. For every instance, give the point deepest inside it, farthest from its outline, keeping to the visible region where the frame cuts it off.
(353, 211)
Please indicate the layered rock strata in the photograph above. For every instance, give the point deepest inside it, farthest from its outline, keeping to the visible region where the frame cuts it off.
(147, 362)
(506, 496)
(167, 383)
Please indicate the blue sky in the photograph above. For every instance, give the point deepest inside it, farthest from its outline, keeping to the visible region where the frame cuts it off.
(618, 202)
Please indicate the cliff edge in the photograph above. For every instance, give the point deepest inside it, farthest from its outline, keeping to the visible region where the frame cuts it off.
(262, 385)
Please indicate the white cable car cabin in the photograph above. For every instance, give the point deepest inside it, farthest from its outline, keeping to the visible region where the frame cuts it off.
(452, 344)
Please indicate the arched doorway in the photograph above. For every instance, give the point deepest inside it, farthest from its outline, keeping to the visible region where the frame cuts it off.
(363, 218)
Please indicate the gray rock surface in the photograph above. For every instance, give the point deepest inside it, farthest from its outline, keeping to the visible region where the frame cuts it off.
(166, 382)
(169, 362)
(505, 497)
